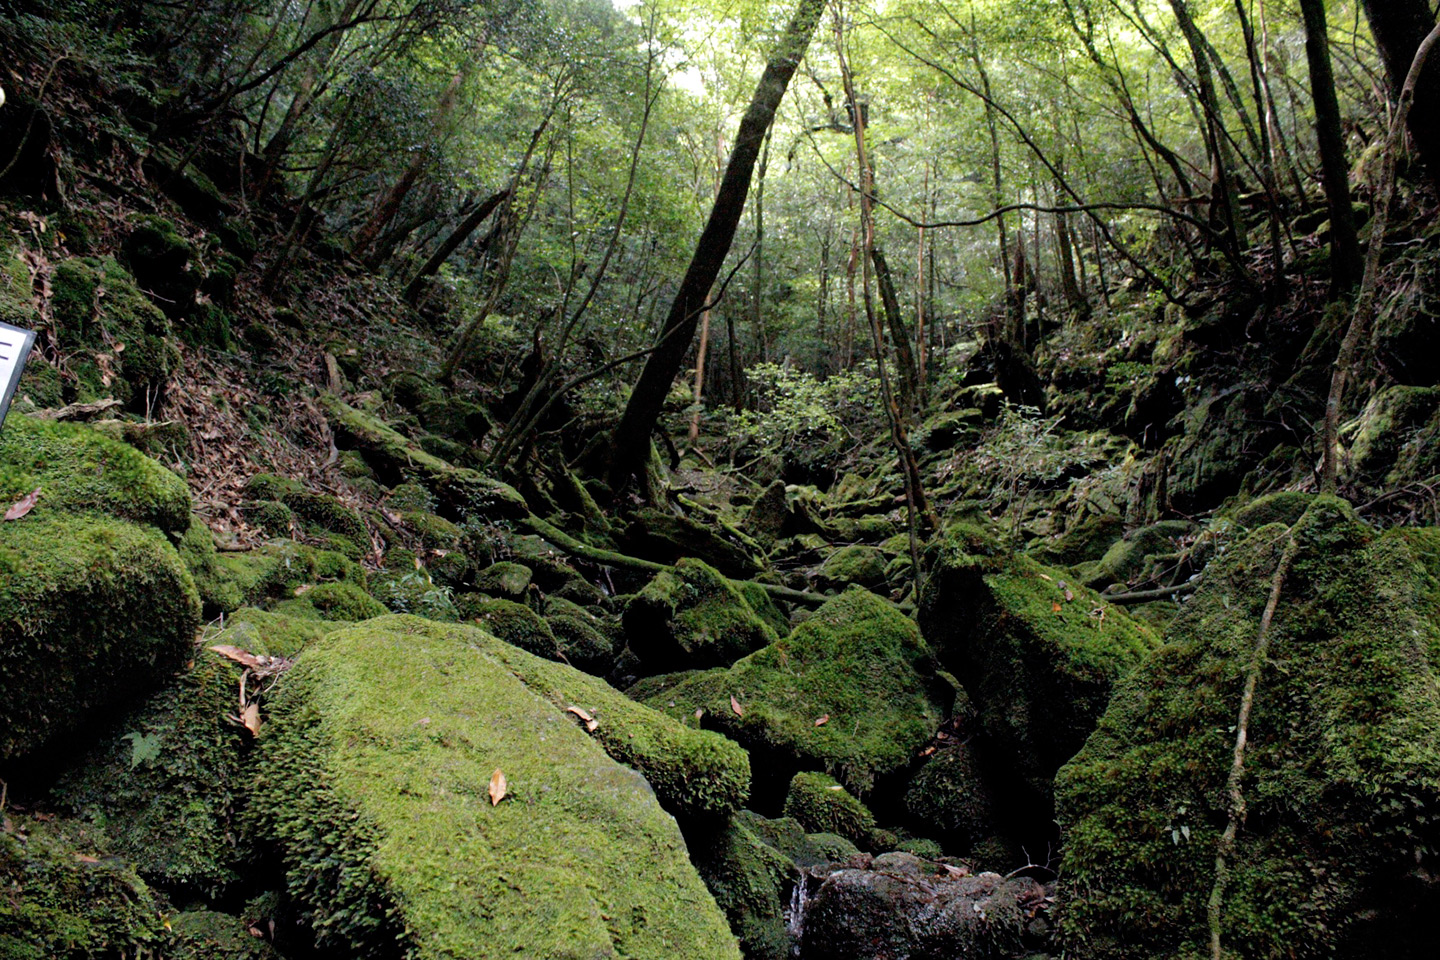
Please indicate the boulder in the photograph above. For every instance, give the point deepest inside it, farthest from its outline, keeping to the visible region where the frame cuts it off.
(898, 906)
(376, 785)
(692, 616)
(765, 520)
(948, 798)
(504, 579)
(1136, 554)
(92, 613)
(1389, 422)
(666, 537)
(1036, 653)
(857, 665)
(821, 804)
(858, 564)
(1342, 764)
(514, 623)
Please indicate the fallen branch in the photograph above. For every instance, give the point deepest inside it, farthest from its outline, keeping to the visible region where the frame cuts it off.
(1142, 596)
(78, 411)
(610, 558)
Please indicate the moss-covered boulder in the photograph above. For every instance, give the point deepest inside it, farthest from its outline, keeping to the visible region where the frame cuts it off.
(92, 613)
(851, 690)
(1389, 421)
(209, 935)
(218, 592)
(1285, 507)
(319, 515)
(374, 786)
(585, 640)
(765, 520)
(1336, 855)
(821, 804)
(1036, 654)
(504, 579)
(858, 564)
(164, 263)
(1137, 553)
(78, 470)
(692, 616)
(65, 897)
(514, 623)
(278, 569)
(949, 800)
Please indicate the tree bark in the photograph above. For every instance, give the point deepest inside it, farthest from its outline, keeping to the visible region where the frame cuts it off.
(451, 242)
(631, 436)
(1399, 27)
(1345, 262)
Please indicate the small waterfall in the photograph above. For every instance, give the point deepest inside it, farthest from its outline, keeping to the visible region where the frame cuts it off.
(795, 915)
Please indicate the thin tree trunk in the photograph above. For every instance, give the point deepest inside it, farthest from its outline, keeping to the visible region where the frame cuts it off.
(1400, 27)
(631, 437)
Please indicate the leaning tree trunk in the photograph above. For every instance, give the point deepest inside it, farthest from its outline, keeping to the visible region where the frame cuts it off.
(631, 437)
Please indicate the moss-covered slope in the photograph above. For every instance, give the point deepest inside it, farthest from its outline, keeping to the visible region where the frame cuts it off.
(1337, 852)
(376, 767)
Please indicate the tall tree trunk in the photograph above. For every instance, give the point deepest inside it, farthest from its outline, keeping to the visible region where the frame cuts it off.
(631, 438)
(1345, 262)
(453, 240)
(1399, 27)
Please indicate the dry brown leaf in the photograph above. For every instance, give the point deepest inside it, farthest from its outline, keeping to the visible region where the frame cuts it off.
(1045, 576)
(1056, 606)
(251, 719)
(699, 712)
(86, 858)
(23, 506)
(235, 653)
(498, 786)
(735, 705)
(590, 722)
(822, 720)
(303, 589)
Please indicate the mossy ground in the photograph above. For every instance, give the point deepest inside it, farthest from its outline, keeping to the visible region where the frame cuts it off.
(1343, 760)
(375, 791)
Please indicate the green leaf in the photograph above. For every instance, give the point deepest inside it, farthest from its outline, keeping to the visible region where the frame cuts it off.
(143, 747)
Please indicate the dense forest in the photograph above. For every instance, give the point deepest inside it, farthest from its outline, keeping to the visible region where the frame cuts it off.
(896, 480)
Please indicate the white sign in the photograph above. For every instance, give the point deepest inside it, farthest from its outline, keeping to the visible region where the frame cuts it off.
(15, 344)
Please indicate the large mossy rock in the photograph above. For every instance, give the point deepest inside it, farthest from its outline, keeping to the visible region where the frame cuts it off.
(666, 537)
(690, 617)
(858, 665)
(92, 613)
(376, 765)
(79, 470)
(1336, 856)
(1037, 654)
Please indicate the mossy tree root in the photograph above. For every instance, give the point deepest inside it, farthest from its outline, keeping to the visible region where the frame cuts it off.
(611, 558)
(1225, 847)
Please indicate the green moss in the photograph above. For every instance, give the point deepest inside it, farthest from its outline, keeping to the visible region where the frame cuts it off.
(268, 632)
(1389, 420)
(57, 904)
(373, 783)
(856, 564)
(1037, 667)
(271, 517)
(344, 601)
(451, 569)
(410, 389)
(410, 496)
(352, 464)
(504, 579)
(1135, 555)
(167, 787)
(515, 624)
(948, 799)
(41, 383)
(97, 307)
(692, 616)
(857, 660)
(1342, 784)
(749, 879)
(822, 805)
(435, 533)
(208, 935)
(218, 593)
(662, 536)
(455, 418)
(320, 515)
(1284, 507)
(92, 612)
(460, 492)
(79, 470)
(278, 569)
(1083, 541)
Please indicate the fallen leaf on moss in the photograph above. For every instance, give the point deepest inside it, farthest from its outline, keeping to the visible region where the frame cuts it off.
(86, 858)
(821, 721)
(244, 657)
(699, 712)
(250, 719)
(23, 506)
(1055, 606)
(735, 705)
(498, 786)
(590, 722)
